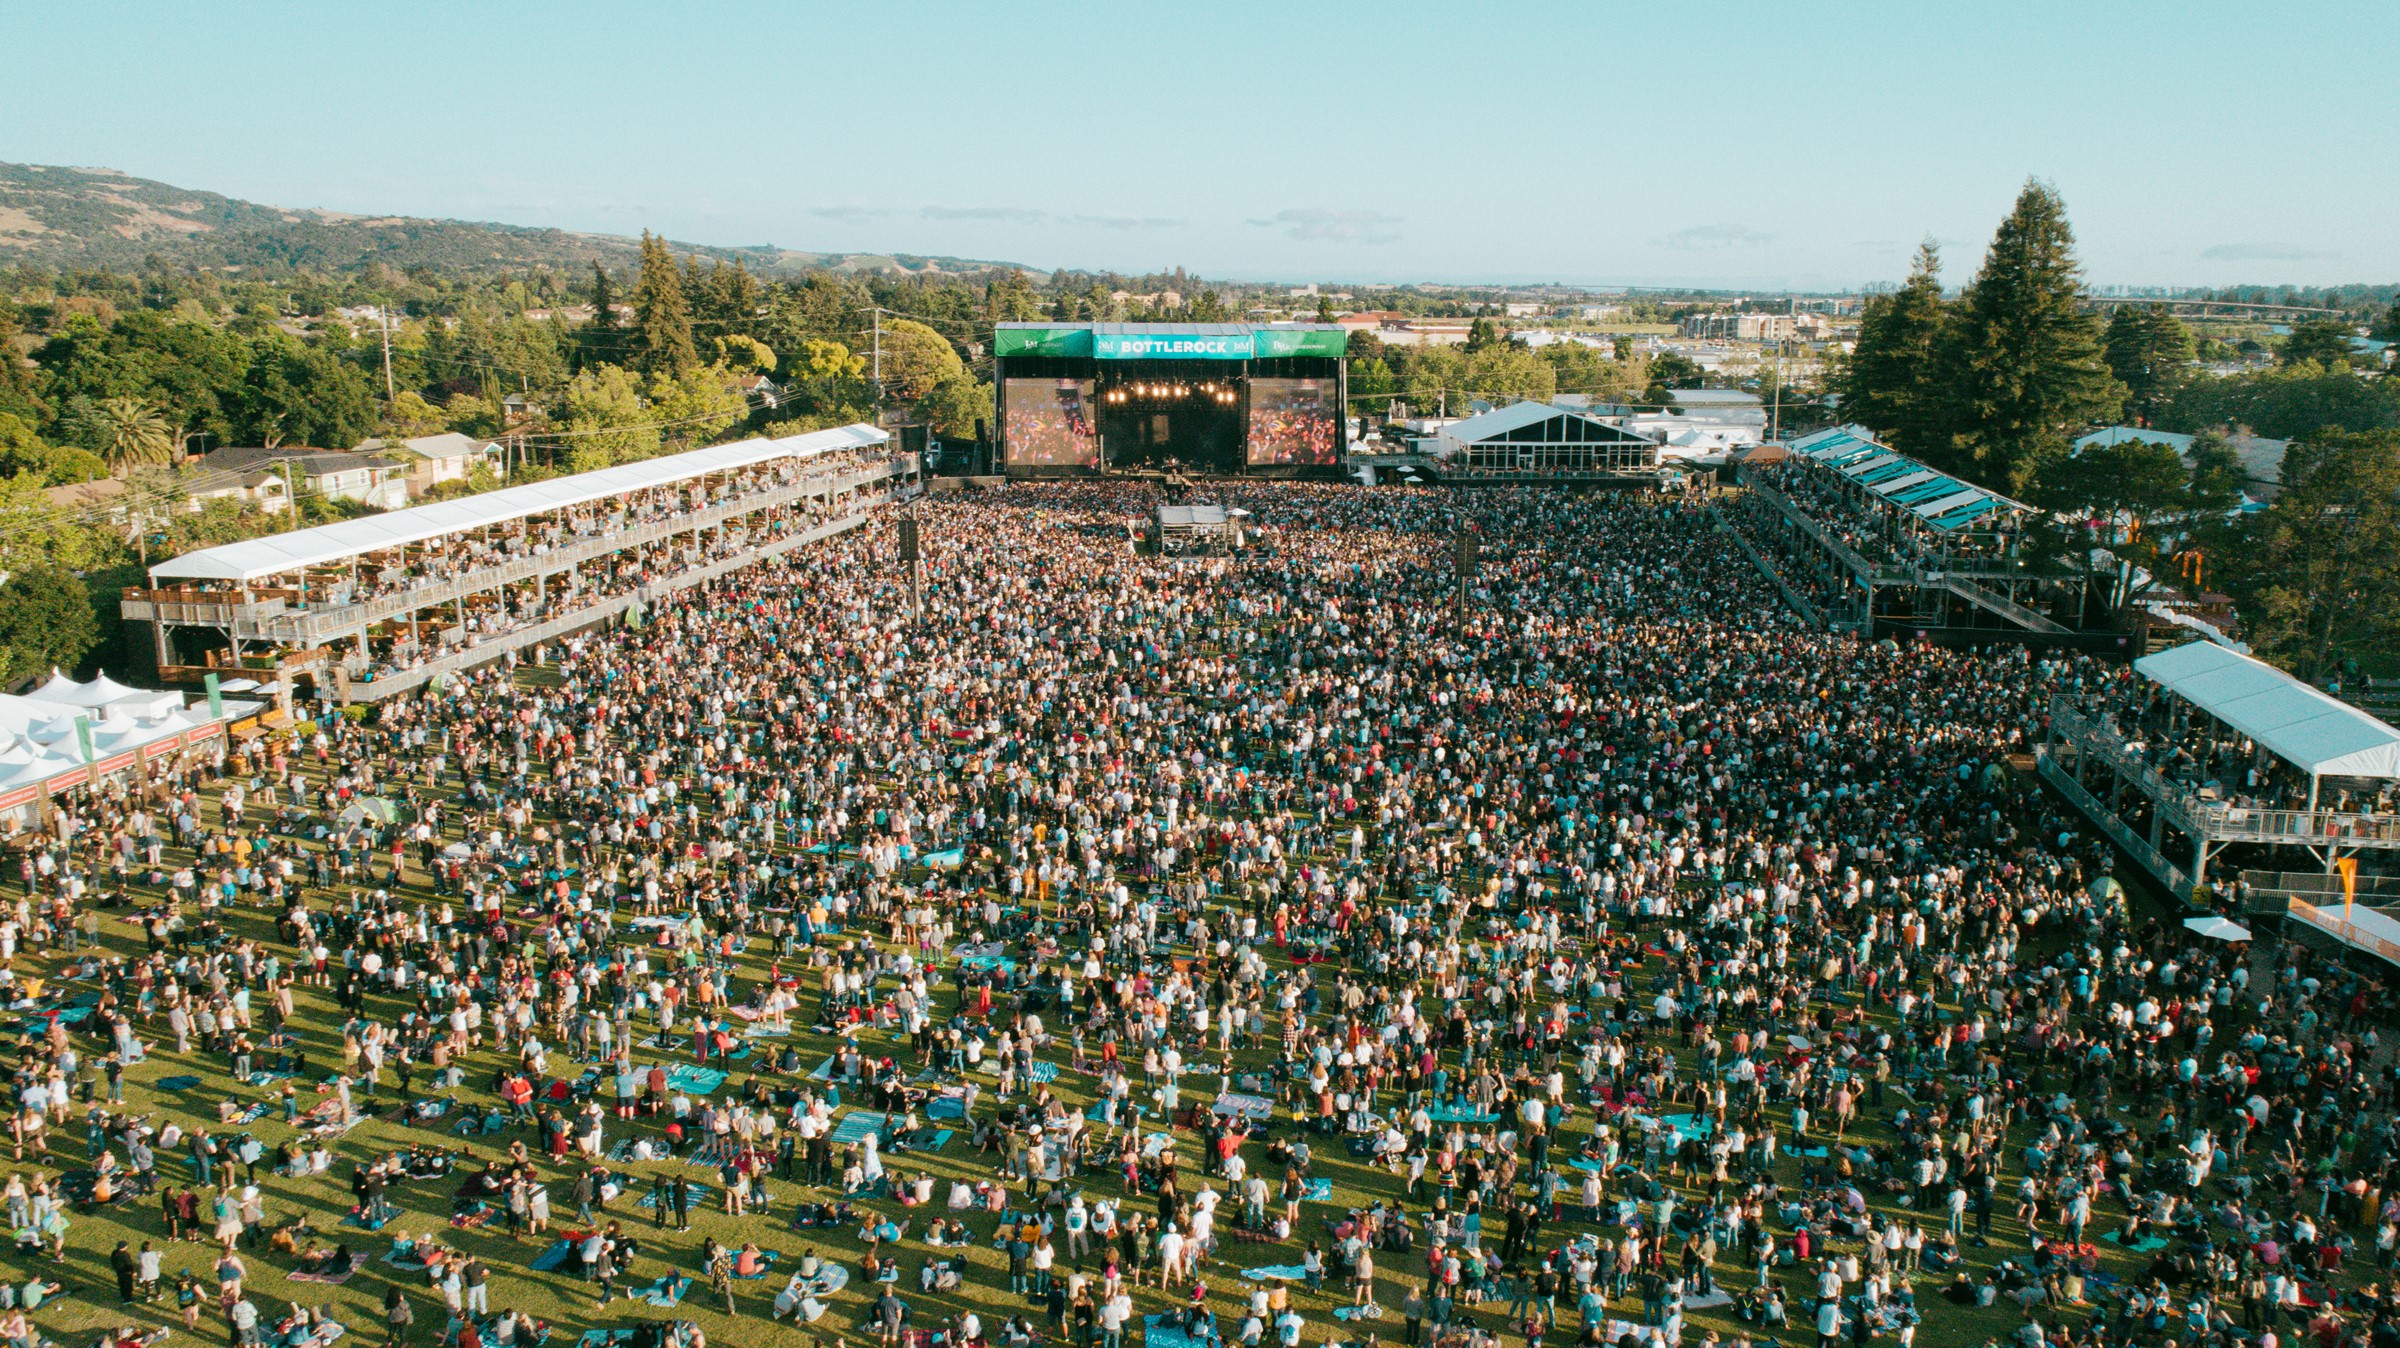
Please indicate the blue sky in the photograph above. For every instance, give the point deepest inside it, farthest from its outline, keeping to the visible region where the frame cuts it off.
(1766, 145)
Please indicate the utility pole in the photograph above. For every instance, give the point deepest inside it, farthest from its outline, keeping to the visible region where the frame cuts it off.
(1462, 557)
(911, 552)
(1775, 419)
(878, 376)
(386, 311)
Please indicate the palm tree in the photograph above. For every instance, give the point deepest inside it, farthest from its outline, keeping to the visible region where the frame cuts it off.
(133, 433)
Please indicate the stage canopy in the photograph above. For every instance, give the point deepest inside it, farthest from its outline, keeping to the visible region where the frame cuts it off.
(2313, 731)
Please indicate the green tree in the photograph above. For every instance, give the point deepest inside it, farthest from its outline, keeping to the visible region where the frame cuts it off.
(2128, 489)
(132, 432)
(698, 407)
(1324, 308)
(25, 454)
(2150, 352)
(409, 416)
(470, 415)
(2218, 478)
(18, 395)
(604, 421)
(1209, 307)
(45, 620)
(603, 339)
(1669, 371)
(738, 352)
(955, 404)
(2387, 328)
(1371, 384)
(2325, 341)
(915, 359)
(662, 321)
(2317, 573)
(303, 395)
(2026, 365)
(2287, 402)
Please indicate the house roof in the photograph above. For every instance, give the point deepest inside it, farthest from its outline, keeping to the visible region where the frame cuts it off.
(447, 445)
(277, 554)
(95, 492)
(307, 462)
(2311, 730)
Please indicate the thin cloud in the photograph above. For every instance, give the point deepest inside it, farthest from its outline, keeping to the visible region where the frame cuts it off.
(1700, 237)
(1328, 224)
(1120, 222)
(1018, 215)
(2264, 252)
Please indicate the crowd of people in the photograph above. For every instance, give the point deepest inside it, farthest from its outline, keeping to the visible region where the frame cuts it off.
(1609, 958)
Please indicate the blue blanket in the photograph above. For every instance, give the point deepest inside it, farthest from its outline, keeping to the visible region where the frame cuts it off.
(667, 1291)
(177, 1083)
(694, 1194)
(560, 1253)
(1276, 1273)
(766, 1260)
(696, 1080)
(1158, 1333)
(855, 1126)
(946, 1107)
(1460, 1114)
(1317, 1190)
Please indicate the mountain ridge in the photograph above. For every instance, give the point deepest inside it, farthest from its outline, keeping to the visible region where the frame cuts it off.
(68, 217)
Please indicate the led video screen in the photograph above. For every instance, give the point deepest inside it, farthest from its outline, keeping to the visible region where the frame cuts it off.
(1049, 423)
(1294, 421)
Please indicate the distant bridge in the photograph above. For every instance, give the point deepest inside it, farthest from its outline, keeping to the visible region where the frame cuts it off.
(2212, 308)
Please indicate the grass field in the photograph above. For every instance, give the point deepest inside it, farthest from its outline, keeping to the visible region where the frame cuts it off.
(568, 1304)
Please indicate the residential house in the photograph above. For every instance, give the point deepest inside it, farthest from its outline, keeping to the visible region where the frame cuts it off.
(448, 457)
(764, 393)
(341, 474)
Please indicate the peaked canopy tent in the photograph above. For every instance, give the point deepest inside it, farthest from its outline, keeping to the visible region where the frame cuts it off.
(2311, 730)
(1540, 437)
(279, 554)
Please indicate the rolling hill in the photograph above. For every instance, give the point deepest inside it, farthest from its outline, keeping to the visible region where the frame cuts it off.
(96, 217)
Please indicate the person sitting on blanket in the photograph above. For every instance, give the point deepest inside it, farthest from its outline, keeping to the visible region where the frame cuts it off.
(938, 1275)
(750, 1263)
(331, 1263)
(787, 1301)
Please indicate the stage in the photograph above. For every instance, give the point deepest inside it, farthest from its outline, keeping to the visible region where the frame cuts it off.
(1207, 399)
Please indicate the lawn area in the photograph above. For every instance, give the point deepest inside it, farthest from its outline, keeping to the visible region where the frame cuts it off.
(568, 1305)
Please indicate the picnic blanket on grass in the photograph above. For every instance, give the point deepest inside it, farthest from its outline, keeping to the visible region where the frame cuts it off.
(695, 1080)
(855, 1126)
(667, 1291)
(1159, 1332)
(694, 1194)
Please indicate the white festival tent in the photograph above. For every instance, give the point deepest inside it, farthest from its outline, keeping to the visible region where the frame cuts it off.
(2217, 928)
(57, 733)
(2313, 731)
